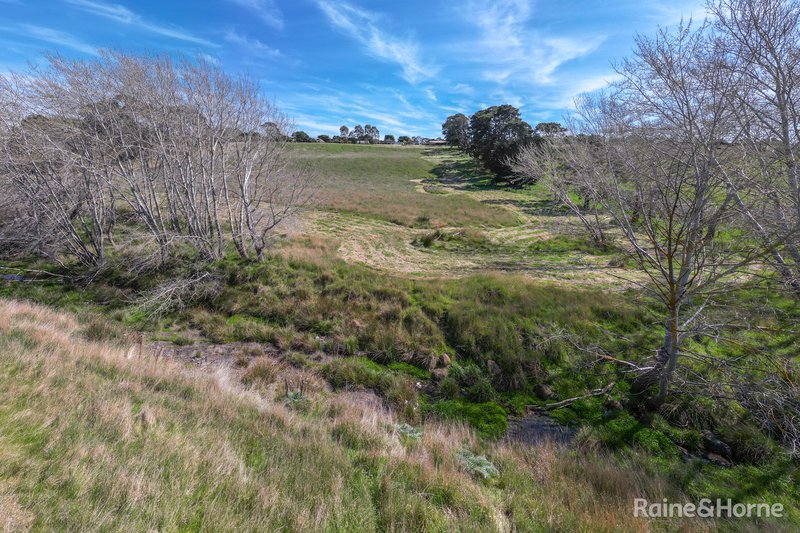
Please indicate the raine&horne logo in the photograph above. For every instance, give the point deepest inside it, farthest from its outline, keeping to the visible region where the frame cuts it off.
(705, 508)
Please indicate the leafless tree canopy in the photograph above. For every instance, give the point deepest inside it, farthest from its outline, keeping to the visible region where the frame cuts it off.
(760, 40)
(179, 147)
(691, 162)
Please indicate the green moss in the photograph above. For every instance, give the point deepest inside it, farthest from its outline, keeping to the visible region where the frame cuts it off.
(488, 418)
(411, 370)
(655, 442)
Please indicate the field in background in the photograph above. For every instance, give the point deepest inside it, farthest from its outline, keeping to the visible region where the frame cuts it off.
(431, 212)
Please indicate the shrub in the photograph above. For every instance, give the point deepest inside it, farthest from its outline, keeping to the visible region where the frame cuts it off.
(99, 329)
(477, 465)
(408, 432)
(474, 382)
(619, 431)
(748, 444)
(398, 390)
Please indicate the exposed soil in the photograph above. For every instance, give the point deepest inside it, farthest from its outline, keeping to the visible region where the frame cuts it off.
(531, 429)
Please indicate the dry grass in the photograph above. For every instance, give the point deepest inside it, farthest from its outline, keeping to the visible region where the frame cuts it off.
(374, 202)
(94, 439)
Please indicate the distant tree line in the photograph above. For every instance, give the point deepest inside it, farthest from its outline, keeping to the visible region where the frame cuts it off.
(363, 134)
(366, 134)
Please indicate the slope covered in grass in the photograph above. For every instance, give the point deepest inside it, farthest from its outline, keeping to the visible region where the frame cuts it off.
(381, 181)
(97, 437)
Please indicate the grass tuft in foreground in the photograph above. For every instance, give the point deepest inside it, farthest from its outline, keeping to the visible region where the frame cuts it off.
(96, 437)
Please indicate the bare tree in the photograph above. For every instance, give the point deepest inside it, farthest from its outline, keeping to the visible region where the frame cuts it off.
(187, 148)
(656, 160)
(557, 163)
(45, 160)
(761, 40)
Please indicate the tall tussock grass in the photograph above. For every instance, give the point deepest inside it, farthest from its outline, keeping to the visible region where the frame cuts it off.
(97, 436)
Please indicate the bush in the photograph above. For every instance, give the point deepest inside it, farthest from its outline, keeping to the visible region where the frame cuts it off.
(99, 329)
(748, 444)
(477, 465)
(409, 432)
(474, 382)
(619, 431)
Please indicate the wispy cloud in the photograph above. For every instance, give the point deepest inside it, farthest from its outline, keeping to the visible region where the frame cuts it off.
(387, 108)
(123, 15)
(362, 26)
(266, 10)
(511, 51)
(57, 37)
(668, 13)
(253, 46)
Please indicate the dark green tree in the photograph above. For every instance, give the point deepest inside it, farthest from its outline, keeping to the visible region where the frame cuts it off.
(302, 137)
(456, 131)
(498, 133)
(388, 139)
(550, 129)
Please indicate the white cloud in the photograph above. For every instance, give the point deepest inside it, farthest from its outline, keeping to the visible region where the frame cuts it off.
(510, 50)
(361, 26)
(57, 37)
(254, 46)
(670, 13)
(265, 9)
(123, 15)
(314, 124)
(462, 88)
(386, 108)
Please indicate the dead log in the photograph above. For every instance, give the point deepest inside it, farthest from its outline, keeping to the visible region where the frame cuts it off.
(570, 401)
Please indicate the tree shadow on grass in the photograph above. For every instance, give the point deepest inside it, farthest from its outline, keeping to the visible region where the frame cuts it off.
(467, 174)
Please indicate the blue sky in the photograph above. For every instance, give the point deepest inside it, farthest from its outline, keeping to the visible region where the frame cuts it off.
(403, 66)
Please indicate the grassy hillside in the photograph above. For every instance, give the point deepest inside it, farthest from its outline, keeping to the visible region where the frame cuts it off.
(97, 437)
(407, 259)
(381, 181)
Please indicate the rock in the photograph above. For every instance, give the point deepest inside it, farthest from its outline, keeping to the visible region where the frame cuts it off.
(712, 444)
(439, 374)
(493, 367)
(444, 360)
(543, 392)
(717, 459)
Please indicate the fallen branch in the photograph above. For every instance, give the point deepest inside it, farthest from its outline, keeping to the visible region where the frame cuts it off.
(31, 271)
(610, 359)
(570, 401)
